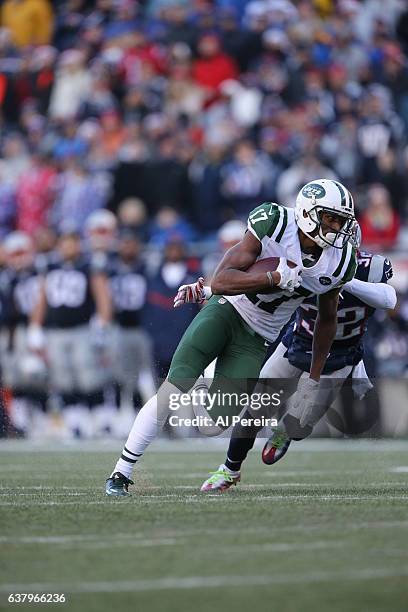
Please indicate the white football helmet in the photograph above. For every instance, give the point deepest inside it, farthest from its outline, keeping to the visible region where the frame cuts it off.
(324, 195)
(19, 250)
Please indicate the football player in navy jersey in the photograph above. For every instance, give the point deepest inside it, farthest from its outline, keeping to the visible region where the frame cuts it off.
(132, 358)
(22, 372)
(292, 358)
(74, 308)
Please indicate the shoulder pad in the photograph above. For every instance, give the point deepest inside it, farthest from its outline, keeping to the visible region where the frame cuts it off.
(380, 269)
(268, 220)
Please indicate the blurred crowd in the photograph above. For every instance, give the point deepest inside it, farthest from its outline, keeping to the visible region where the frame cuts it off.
(201, 107)
(132, 131)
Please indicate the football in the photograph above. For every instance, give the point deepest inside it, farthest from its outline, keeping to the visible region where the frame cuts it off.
(269, 264)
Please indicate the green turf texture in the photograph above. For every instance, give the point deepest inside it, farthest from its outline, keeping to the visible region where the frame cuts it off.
(323, 530)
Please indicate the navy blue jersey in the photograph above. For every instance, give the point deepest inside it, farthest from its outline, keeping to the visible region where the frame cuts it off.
(5, 302)
(19, 294)
(128, 286)
(352, 316)
(68, 294)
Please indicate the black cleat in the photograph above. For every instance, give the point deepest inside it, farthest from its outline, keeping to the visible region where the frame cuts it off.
(117, 485)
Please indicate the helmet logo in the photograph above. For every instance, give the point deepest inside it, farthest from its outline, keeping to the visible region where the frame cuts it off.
(313, 190)
(324, 280)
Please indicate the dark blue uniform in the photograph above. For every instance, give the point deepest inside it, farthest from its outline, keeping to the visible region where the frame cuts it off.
(352, 316)
(19, 291)
(128, 286)
(68, 294)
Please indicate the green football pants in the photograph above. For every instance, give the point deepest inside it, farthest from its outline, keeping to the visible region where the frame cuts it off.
(219, 332)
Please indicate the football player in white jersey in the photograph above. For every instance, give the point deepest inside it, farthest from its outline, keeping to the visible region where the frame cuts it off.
(359, 299)
(249, 308)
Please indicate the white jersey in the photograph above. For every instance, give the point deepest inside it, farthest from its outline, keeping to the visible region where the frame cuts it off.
(275, 227)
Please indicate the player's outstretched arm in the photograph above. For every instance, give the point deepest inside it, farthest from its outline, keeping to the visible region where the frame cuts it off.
(376, 295)
(324, 331)
(231, 278)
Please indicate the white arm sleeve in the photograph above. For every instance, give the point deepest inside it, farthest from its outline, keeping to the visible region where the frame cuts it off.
(207, 291)
(376, 295)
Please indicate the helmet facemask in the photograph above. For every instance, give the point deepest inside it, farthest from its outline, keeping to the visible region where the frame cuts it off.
(333, 238)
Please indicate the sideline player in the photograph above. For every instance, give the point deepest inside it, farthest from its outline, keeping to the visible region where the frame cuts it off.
(67, 324)
(22, 372)
(234, 327)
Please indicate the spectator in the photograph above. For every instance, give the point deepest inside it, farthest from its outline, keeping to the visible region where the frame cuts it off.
(167, 180)
(78, 194)
(339, 147)
(130, 173)
(167, 226)
(379, 222)
(132, 214)
(29, 21)
(390, 174)
(42, 67)
(8, 206)
(71, 87)
(379, 129)
(212, 66)
(141, 59)
(395, 77)
(112, 135)
(303, 170)
(15, 159)
(247, 179)
(35, 195)
(183, 95)
(205, 173)
(242, 45)
(176, 269)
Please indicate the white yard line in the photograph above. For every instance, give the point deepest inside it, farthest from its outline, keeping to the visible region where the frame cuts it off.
(68, 491)
(200, 498)
(204, 582)
(106, 542)
(94, 543)
(194, 533)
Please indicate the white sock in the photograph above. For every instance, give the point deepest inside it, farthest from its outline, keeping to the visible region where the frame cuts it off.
(146, 426)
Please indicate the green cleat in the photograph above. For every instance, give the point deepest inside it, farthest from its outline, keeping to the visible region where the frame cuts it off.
(221, 480)
(117, 485)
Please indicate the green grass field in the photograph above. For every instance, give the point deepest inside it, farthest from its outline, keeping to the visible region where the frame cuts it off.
(326, 529)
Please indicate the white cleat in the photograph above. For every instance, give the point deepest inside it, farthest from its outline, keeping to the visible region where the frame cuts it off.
(221, 480)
